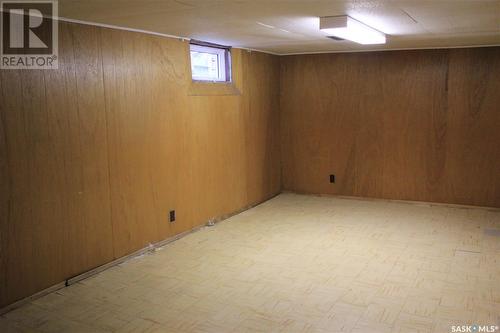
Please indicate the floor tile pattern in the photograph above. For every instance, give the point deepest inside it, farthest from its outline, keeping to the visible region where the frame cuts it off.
(296, 264)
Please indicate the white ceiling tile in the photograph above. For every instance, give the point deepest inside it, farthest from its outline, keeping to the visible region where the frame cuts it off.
(292, 26)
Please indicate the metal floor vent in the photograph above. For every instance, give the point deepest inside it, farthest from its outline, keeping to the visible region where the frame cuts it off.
(492, 232)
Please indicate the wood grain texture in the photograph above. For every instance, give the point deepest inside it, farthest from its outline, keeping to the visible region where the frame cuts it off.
(94, 155)
(410, 125)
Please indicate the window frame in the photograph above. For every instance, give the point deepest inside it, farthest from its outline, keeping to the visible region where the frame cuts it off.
(223, 61)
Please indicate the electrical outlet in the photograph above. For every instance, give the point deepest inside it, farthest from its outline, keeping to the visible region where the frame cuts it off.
(172, 216)
(332, 179)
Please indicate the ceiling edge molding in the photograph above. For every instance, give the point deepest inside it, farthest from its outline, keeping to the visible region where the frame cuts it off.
(147, 32)
(391, 49)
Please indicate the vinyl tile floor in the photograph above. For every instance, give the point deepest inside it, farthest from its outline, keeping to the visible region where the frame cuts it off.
(296, 263)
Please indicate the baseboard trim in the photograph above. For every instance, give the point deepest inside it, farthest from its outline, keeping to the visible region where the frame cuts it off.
(77, 278)
(148, 249)
(33, 297)
(409, 202)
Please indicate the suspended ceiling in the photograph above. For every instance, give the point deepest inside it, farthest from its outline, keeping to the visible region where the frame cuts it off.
(292, 26)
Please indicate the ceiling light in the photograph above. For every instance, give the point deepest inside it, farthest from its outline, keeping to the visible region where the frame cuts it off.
(348, 28)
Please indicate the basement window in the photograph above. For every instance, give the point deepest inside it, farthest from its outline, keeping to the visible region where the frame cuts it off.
(210, 62)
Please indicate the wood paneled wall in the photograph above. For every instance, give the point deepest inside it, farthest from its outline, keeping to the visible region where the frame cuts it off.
(411, 125)
(93, 156)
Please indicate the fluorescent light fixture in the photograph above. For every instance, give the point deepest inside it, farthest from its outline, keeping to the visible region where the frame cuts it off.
(346, 27)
